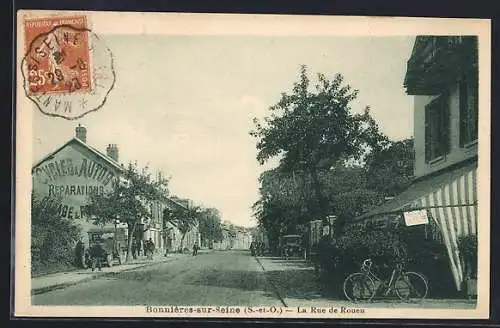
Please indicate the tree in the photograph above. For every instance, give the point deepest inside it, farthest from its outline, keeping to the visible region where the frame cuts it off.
(184, 218)
(52, 238)
(311, 131)
(231, 233)
(210, 227)
(287, 202)
(390, 170)
(129, 202)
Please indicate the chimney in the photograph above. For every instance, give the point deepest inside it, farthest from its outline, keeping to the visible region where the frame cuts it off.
(81, 133)
(112, 151)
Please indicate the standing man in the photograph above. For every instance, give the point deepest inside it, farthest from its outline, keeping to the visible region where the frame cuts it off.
(97, 254)
(252, 248)
(195, 249)
(79, 254)
(151, 248)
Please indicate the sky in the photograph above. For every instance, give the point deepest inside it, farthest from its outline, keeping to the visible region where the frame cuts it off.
(184, 105)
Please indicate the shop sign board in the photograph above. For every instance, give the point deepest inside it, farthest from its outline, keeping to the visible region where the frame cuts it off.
(418, 217)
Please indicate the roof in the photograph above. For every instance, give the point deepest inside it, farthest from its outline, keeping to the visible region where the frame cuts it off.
(174, 203)
(418, 189)
(105, 158)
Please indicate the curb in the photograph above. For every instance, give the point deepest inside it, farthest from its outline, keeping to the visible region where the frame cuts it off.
(272, 283)
(47, 289)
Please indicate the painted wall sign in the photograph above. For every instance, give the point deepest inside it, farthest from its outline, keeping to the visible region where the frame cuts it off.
(72, 175)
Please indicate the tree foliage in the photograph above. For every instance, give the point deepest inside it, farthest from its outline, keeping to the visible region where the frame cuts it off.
(390, 170)
(210, 226)
(332, 161)
(184, 218)
(129, 202)
(52, 238)
(312, 129)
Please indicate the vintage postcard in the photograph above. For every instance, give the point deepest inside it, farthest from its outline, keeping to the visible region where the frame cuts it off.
(251, 166)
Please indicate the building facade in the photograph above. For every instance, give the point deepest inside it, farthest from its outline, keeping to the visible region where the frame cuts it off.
(242, 239)
(72, 173)
(76, 169)
(442, 77)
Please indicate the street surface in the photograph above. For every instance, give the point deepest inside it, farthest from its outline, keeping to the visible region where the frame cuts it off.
(214, 278)
(230, 278)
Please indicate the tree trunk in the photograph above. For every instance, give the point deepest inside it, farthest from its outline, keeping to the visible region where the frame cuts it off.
(318, 193)
(164, 237)
(131, 232)
(182, 241)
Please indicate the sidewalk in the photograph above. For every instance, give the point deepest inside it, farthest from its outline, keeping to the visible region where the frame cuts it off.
(297, 285)
(46, 283)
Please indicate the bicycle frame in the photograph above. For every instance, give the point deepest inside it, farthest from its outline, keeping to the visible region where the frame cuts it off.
(396, 272)
(366, 277)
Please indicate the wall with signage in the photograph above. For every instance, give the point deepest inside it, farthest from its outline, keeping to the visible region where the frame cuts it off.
(73, 174)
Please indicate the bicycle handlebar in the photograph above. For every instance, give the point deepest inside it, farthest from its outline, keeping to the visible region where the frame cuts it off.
(367, 264)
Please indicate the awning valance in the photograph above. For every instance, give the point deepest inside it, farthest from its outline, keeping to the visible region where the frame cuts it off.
(411, 198)
(451, 201)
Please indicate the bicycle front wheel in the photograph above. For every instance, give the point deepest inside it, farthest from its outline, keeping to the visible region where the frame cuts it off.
(359, 287)
(411, 287)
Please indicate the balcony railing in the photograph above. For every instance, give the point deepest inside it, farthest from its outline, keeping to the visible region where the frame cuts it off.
(436, 61)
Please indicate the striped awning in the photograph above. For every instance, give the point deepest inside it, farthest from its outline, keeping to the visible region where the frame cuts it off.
(451, 201)
(453, 206)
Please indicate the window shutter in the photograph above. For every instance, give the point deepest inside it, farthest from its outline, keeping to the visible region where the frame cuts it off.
(474, 112)
(463, 112)
(445, 121)
(427, 133)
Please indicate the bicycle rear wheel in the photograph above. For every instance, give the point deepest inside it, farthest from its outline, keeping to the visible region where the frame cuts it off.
(411, 287)
(359, 287)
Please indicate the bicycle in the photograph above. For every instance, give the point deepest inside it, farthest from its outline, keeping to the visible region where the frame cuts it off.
(407, 285)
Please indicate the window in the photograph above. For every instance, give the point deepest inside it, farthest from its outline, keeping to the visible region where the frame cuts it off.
(468, 90)
(437, 128)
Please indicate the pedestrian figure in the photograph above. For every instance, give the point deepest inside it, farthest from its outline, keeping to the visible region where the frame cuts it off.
(134, 249)
(252, 248)
(139, 248)
(79, 254)
(145, 247)
(195, 249)
(151, 248)
(98, 254)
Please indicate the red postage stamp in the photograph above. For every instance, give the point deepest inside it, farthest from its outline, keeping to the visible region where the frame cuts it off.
(57, 55)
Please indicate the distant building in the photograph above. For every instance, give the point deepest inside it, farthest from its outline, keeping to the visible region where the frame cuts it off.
(234, 237)
(242, 239)
(170, 233)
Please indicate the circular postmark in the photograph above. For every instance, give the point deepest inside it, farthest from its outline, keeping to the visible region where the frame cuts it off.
(68, 71)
